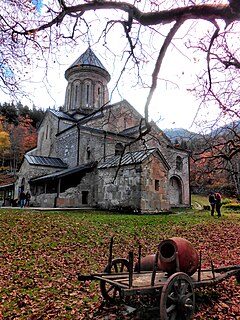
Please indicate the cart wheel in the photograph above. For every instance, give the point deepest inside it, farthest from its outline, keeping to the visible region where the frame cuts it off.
(110, 292)
(177, 298)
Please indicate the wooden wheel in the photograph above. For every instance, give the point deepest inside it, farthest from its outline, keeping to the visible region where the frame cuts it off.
(110, 292)
(177, 300)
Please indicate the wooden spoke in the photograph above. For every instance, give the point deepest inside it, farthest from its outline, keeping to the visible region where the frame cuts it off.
(177, 298)
(110, 292)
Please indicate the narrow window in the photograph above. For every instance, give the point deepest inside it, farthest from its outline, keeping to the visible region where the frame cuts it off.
(179, 163)
(118, 149)
(88, 153)
(157, 185)
(84, 197)
(87, 95)
(47, 132)
(76, 94)
(99, 97)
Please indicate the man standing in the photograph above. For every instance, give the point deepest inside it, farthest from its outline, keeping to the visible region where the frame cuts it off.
(22, 198)
(212, 202)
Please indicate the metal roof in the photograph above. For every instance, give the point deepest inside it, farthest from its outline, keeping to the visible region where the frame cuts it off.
(93, 116)
(7, 179)
(45, 161)
(7, 186)
(89, 58)
(64, 173)
(134, 130)
(128, 158)
(62, 115)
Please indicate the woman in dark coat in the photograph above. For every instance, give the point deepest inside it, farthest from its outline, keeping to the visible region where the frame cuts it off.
(218, 203)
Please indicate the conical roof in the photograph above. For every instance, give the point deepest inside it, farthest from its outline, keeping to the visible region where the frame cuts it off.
(89, 58)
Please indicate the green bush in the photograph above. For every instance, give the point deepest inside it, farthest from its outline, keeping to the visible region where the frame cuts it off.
(227, 201)
(232, 206)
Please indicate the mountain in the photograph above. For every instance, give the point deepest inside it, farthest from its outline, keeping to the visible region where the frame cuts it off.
(180, 134)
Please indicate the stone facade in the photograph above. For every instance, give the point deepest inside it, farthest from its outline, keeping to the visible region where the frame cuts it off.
(89, 154)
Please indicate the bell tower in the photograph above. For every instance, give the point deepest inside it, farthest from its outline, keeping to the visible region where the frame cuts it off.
(87, 84)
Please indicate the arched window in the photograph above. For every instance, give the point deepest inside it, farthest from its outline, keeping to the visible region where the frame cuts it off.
(76, 94)
(87, 94)
(68, 98)
(99, 96)
(75, 100)
(88, 152)
(179, 163)
(119, 149)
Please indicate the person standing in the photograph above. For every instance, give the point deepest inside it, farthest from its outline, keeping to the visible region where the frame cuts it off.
(28, 197)
(22, 198)
(212, 202)
(218, 204)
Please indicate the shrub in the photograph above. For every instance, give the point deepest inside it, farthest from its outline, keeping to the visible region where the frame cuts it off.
(232, 206)
(227, 201)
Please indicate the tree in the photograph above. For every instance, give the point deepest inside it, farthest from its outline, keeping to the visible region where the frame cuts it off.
(23, 138)
(4, 140)
(216, 162)
(139, 26)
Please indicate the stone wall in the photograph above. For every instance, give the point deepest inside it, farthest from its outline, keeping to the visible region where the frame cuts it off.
(83, 195)
(122, 193)
(66, 147)
(134, 187)
(154, 183)
(46, 136)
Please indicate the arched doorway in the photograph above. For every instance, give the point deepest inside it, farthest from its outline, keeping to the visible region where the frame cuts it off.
(175, 191)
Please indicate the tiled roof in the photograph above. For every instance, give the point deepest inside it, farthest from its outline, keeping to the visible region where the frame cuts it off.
(45, 161)
(128, 158)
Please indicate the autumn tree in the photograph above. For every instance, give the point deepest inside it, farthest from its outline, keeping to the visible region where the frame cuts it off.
(23, 138)
(4, 140)
(216, 160)
(17, 132)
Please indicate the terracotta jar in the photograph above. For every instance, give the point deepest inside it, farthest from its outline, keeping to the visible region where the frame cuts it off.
(178, 254)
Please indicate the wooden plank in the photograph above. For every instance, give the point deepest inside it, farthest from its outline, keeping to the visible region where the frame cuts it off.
(116, 284)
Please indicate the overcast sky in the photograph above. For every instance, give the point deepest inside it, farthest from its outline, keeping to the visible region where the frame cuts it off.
(172, 106)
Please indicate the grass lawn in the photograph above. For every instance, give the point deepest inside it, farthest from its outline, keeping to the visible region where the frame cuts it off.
(41, 254)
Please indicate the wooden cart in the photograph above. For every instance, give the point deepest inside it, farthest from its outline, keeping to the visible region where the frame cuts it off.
(176, 291)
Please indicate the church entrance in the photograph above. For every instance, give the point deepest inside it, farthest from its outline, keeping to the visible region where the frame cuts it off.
(175, 191)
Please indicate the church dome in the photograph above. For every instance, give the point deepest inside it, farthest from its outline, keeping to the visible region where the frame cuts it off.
(87, 84)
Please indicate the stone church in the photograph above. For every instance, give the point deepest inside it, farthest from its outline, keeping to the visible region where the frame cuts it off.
(94, 153)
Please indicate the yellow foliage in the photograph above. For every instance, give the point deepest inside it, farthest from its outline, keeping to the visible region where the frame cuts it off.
(4, 141)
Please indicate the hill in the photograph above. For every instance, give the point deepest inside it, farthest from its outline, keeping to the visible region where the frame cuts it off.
(180, 134)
